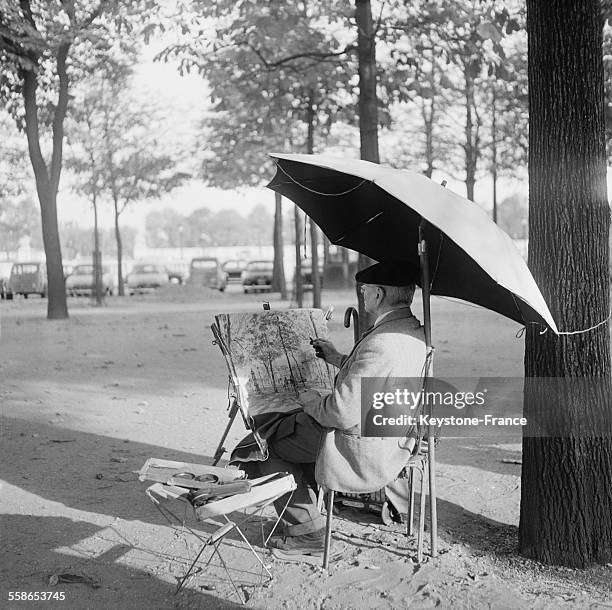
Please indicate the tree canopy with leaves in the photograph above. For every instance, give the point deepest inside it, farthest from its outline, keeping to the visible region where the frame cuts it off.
(121, 156)
(44, 48)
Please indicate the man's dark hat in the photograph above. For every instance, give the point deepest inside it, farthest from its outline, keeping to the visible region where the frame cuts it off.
(397, 273)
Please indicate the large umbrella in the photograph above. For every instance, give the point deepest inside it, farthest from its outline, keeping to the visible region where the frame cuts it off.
(396, 215)
(378, 210)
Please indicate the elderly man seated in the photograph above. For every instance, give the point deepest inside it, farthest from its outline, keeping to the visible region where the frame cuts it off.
(327, 433)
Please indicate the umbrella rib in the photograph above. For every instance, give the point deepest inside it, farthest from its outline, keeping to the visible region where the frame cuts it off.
(374, 217)
(354, 188)
(518, 309)
(342, 237)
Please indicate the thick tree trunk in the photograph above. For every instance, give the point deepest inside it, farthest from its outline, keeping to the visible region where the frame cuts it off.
(566, 496)
(278, 273)
(47, 182)
(368, 112)
(57, 307)
(368, 99)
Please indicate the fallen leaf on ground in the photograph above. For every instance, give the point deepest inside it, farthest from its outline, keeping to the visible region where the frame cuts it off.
(68, 578)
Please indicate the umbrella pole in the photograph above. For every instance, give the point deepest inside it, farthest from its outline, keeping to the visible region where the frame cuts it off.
(433, 516)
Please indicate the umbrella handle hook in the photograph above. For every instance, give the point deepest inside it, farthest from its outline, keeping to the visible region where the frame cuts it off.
(351, 314)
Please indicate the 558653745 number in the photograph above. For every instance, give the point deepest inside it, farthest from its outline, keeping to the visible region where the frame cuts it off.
(36, 596)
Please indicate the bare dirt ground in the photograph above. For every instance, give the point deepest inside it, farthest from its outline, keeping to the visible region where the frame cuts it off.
(87, 400)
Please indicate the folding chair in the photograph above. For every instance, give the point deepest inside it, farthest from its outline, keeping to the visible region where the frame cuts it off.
(263, 491)
(418, 462)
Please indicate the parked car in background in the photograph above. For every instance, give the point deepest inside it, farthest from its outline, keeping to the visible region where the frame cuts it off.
(175, 276)
(146, 277)
(233, 269)
(206, 271)
(81, 280)
(257, 276)
(5, 274)
(27, 279)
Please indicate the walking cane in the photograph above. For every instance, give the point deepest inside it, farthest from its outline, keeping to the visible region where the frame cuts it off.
(352, 314)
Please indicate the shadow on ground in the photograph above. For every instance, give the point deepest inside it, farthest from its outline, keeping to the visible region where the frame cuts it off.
(118, 587)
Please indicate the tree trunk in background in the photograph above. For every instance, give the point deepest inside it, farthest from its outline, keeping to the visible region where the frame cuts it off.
(428, 113)
(314, 236)
(47, 180)
(471, 134)
(494, 150)
(97, 255)
(368, 112)
(120, 288)
(346, 279)
(299, 291)
(325, 252)
(566, 495)
(316, 276)
(278, 275)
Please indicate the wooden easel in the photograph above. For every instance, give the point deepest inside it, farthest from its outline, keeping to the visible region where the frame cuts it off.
(234, 408)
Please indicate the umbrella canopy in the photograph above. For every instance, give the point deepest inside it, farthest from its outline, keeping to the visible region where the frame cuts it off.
(377, 210)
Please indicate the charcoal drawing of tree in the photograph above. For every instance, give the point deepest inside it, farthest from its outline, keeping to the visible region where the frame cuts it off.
(315, 335)
(258, 338)
(290, 342)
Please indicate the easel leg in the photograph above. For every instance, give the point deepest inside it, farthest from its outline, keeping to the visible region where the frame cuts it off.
(220, 448)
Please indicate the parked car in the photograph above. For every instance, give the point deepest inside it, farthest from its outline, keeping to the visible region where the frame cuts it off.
(145, 277)
(257, 276)
(233, 270)
(81, 280)
(26, 279)
(175, 276)
(206, 271)
(5, 274)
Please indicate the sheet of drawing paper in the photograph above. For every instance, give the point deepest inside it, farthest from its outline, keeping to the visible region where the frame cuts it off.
(272, 357)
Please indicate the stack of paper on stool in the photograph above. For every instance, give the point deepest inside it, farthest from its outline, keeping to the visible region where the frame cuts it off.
(263, 490)
(161, 471)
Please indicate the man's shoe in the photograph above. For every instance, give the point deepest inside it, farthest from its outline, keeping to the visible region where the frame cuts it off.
(306, 544)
